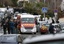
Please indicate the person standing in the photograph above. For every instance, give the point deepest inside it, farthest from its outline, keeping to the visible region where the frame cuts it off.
(12, 26)
(51, 28)
(16, 30)
(4, 24)
(53, 21)
(8, 26)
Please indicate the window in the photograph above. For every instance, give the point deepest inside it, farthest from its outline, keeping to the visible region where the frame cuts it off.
(27, 20)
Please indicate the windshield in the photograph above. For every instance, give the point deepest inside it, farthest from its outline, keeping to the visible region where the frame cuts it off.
(27, 20)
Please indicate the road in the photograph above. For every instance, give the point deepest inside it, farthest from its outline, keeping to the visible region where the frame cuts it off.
(1, 30)
(24, 35)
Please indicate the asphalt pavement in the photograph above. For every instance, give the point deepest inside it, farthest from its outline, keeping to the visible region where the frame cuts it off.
(23, 35)
(1, 30)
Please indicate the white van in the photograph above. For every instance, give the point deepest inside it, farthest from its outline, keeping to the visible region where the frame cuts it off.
(28, 24)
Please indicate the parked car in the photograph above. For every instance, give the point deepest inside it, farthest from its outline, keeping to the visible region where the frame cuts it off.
(45, 39)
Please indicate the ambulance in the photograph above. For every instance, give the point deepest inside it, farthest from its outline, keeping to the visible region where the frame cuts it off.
(28, 24)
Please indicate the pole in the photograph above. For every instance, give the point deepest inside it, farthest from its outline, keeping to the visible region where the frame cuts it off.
(55, 17)
(44, 13)
(56, 13)
(44, 16)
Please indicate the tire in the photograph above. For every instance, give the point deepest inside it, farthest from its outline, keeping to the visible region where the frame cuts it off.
(42, 33)
(34, 33)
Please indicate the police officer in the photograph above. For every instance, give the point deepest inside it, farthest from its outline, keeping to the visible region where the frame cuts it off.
(51, 28)
(4, 24)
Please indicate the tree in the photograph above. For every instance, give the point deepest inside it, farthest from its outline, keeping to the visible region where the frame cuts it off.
(14, 2)
(35, 8)
(50, 13)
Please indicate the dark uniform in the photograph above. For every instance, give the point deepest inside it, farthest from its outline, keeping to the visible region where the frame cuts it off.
(51, 28)
(12, 26)
(4, 24)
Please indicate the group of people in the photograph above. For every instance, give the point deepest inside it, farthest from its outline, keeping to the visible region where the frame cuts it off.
(10, 25)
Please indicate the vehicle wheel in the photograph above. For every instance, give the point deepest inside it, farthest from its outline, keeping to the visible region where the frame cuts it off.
(34, 33)
(42, 33)
(47, 32)
(20, 33)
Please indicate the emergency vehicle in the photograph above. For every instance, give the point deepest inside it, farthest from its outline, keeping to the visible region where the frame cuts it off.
(27, 24)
